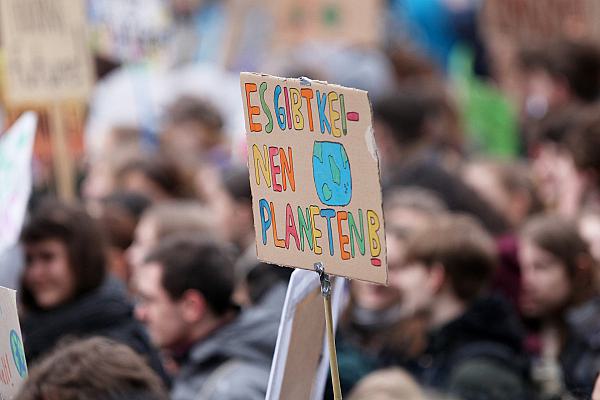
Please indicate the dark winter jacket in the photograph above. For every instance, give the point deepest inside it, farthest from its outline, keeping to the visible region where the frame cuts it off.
(105, 311)
(234, 362)
(477, 356)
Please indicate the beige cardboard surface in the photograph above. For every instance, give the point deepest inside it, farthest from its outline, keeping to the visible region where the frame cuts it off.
(355, 22)
(308, 330)
(314, 173)
(46, 51)
(13, 368)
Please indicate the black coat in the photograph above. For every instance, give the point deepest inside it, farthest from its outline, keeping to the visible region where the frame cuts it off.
(105, 311)
(478, 356)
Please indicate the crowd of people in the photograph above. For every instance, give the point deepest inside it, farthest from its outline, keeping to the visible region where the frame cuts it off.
(147, 286)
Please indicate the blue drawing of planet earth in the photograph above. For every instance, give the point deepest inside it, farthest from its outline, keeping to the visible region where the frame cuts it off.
(331, 173)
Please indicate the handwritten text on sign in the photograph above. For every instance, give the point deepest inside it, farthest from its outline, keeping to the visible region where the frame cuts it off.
(315, 176)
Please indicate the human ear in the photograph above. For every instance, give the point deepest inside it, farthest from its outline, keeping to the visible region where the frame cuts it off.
(193, 306)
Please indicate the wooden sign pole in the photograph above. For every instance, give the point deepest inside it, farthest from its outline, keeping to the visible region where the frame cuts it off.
(326, 292)
(62, 161)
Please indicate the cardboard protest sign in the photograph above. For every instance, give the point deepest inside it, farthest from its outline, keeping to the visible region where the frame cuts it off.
(16, 146)
(301, 360)
(45, 50)
(314, 173)
(355, 22)
(13, 367)
(129, 31)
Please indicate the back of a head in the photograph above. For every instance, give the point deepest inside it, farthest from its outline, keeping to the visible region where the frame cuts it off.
(177, 216)
(465, 250)
(190, 109)
(159, 170)
(387, 384)
(406, 113)
(196, 263)
(94, 368)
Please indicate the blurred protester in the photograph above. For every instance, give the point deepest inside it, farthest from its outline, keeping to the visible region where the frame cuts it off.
(411, 208)
(119, 215)
(561, 304)
(65, 289)
(194, 134)
(164, 219)
(551, 166)
(185, 291)
(94, 368)
(559, 73)
(410, 157)
(374, 332)
(582, 143)
(155, 177)
(589, 229)
(232, 207)
(387, 384)
(506, 186)
(473, 343)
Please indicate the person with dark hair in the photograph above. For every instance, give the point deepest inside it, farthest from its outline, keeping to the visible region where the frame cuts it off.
(408, 132)
(185, 290)
(65, 289)
(193, 133)
(155, 177)
(94, 368)
(560, 303)
(559, 73)
(473, 343)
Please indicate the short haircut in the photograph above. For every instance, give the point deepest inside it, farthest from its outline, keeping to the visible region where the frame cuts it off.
(464, 249)
(387, 384)
(196, 263)
(577, 62)
(93, 368)
(559, 237)
(406, 113)
(80, 233)
(192, 109)
(237, 183)
(161, 170)
(177, 216)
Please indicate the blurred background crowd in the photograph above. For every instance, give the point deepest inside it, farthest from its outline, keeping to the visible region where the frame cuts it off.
(486, 122)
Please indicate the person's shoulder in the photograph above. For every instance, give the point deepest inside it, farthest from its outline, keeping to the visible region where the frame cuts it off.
(236, 380)
(483, 377)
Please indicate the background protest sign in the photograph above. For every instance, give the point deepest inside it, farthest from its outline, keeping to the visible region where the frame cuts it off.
(16, 146)
(47, 63)
(45, 50)
(354, 22)
(13, 367)
(314, 174)
(300, 361)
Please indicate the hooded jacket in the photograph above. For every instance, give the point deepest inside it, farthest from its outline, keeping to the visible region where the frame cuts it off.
(477, 356)
(234, 362)
(104, 311)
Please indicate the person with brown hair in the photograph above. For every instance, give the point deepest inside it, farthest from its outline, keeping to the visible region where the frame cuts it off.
(94, 368)
(164, 219)
(65, 288)
(184, 291)
(473, 340)
(193, 134)
(560, 303)
(387, 384)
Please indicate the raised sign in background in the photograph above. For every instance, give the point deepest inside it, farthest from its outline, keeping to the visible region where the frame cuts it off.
(46, 51)
(314, 174)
